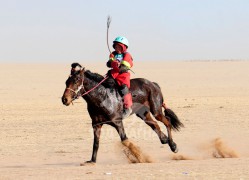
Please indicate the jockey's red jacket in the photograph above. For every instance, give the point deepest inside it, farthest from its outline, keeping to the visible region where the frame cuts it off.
(117, 60)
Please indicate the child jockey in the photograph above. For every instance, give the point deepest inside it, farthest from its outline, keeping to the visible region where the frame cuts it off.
(121, 61)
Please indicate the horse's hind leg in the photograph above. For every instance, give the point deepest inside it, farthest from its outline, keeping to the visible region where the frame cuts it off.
(153, 124)
(166, 122)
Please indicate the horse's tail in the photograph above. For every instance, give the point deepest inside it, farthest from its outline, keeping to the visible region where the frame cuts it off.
(174, 120)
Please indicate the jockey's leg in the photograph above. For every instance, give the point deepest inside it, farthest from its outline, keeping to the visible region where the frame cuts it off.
(127, 105)
(127, 100)
(123, 80)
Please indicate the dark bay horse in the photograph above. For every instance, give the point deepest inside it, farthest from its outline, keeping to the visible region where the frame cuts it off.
(104, 104)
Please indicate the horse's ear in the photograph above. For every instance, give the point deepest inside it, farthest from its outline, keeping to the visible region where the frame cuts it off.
(82, 71)
(76, 66)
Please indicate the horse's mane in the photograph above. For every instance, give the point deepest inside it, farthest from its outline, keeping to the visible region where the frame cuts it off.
(94, 76)
(109, 83)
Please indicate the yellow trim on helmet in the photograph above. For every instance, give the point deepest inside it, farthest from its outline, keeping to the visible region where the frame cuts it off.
(126, 64)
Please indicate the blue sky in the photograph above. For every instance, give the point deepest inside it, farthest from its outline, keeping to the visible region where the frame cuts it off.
(75, 30)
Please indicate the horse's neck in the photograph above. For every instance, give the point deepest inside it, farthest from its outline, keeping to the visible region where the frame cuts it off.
(97, 94)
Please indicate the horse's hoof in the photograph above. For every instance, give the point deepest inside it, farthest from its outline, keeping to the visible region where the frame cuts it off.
(87, 163)
(164, 141)
(176, 150)
(173, 146)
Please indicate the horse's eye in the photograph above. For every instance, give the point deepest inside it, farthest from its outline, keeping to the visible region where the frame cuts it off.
(77, 79)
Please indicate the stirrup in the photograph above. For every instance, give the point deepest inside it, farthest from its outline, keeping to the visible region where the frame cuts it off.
(126, 113)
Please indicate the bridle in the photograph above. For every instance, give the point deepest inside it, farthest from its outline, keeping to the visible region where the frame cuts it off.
(77, 94)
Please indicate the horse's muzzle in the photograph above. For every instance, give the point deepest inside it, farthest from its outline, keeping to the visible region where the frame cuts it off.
(65, 101)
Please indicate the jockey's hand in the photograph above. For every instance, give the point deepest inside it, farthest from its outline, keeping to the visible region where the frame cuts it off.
(115, 65)
(108, 64)
(123, 69)
(111, 59)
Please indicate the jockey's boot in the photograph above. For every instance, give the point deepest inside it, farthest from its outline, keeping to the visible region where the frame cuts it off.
(126, 113)
(127, 105)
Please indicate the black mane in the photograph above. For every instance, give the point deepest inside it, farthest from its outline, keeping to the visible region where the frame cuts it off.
(94, 76)
(108, 83)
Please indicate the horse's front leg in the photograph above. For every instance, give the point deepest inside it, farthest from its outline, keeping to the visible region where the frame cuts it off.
(96, 133)
(118, 125)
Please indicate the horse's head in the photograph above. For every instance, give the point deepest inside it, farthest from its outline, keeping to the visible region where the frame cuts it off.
(74, 84)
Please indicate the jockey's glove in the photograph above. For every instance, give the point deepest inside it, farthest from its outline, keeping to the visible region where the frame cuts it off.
(108, 64)
(123, 69)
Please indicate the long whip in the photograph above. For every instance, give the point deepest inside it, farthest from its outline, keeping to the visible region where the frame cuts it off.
(109, 19)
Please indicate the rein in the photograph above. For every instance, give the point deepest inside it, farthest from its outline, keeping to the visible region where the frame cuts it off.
(93, 87)
(82, 86)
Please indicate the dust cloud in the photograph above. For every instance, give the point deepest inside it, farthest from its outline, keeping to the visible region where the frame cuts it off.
(134, 153)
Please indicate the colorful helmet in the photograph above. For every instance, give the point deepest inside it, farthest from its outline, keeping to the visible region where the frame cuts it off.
(122, 40)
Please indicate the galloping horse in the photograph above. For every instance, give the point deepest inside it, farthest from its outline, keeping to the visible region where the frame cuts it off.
(104, 104)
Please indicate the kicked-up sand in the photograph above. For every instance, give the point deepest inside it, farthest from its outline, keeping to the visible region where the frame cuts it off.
(40, 138)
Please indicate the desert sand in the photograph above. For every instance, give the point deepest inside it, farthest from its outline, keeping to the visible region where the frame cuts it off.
(40, 138)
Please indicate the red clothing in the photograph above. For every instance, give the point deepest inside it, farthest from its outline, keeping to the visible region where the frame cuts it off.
(121, 60)
(123, 78)
(127, 100)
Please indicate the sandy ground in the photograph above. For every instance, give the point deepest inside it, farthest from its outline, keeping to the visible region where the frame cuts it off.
(42, 139)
